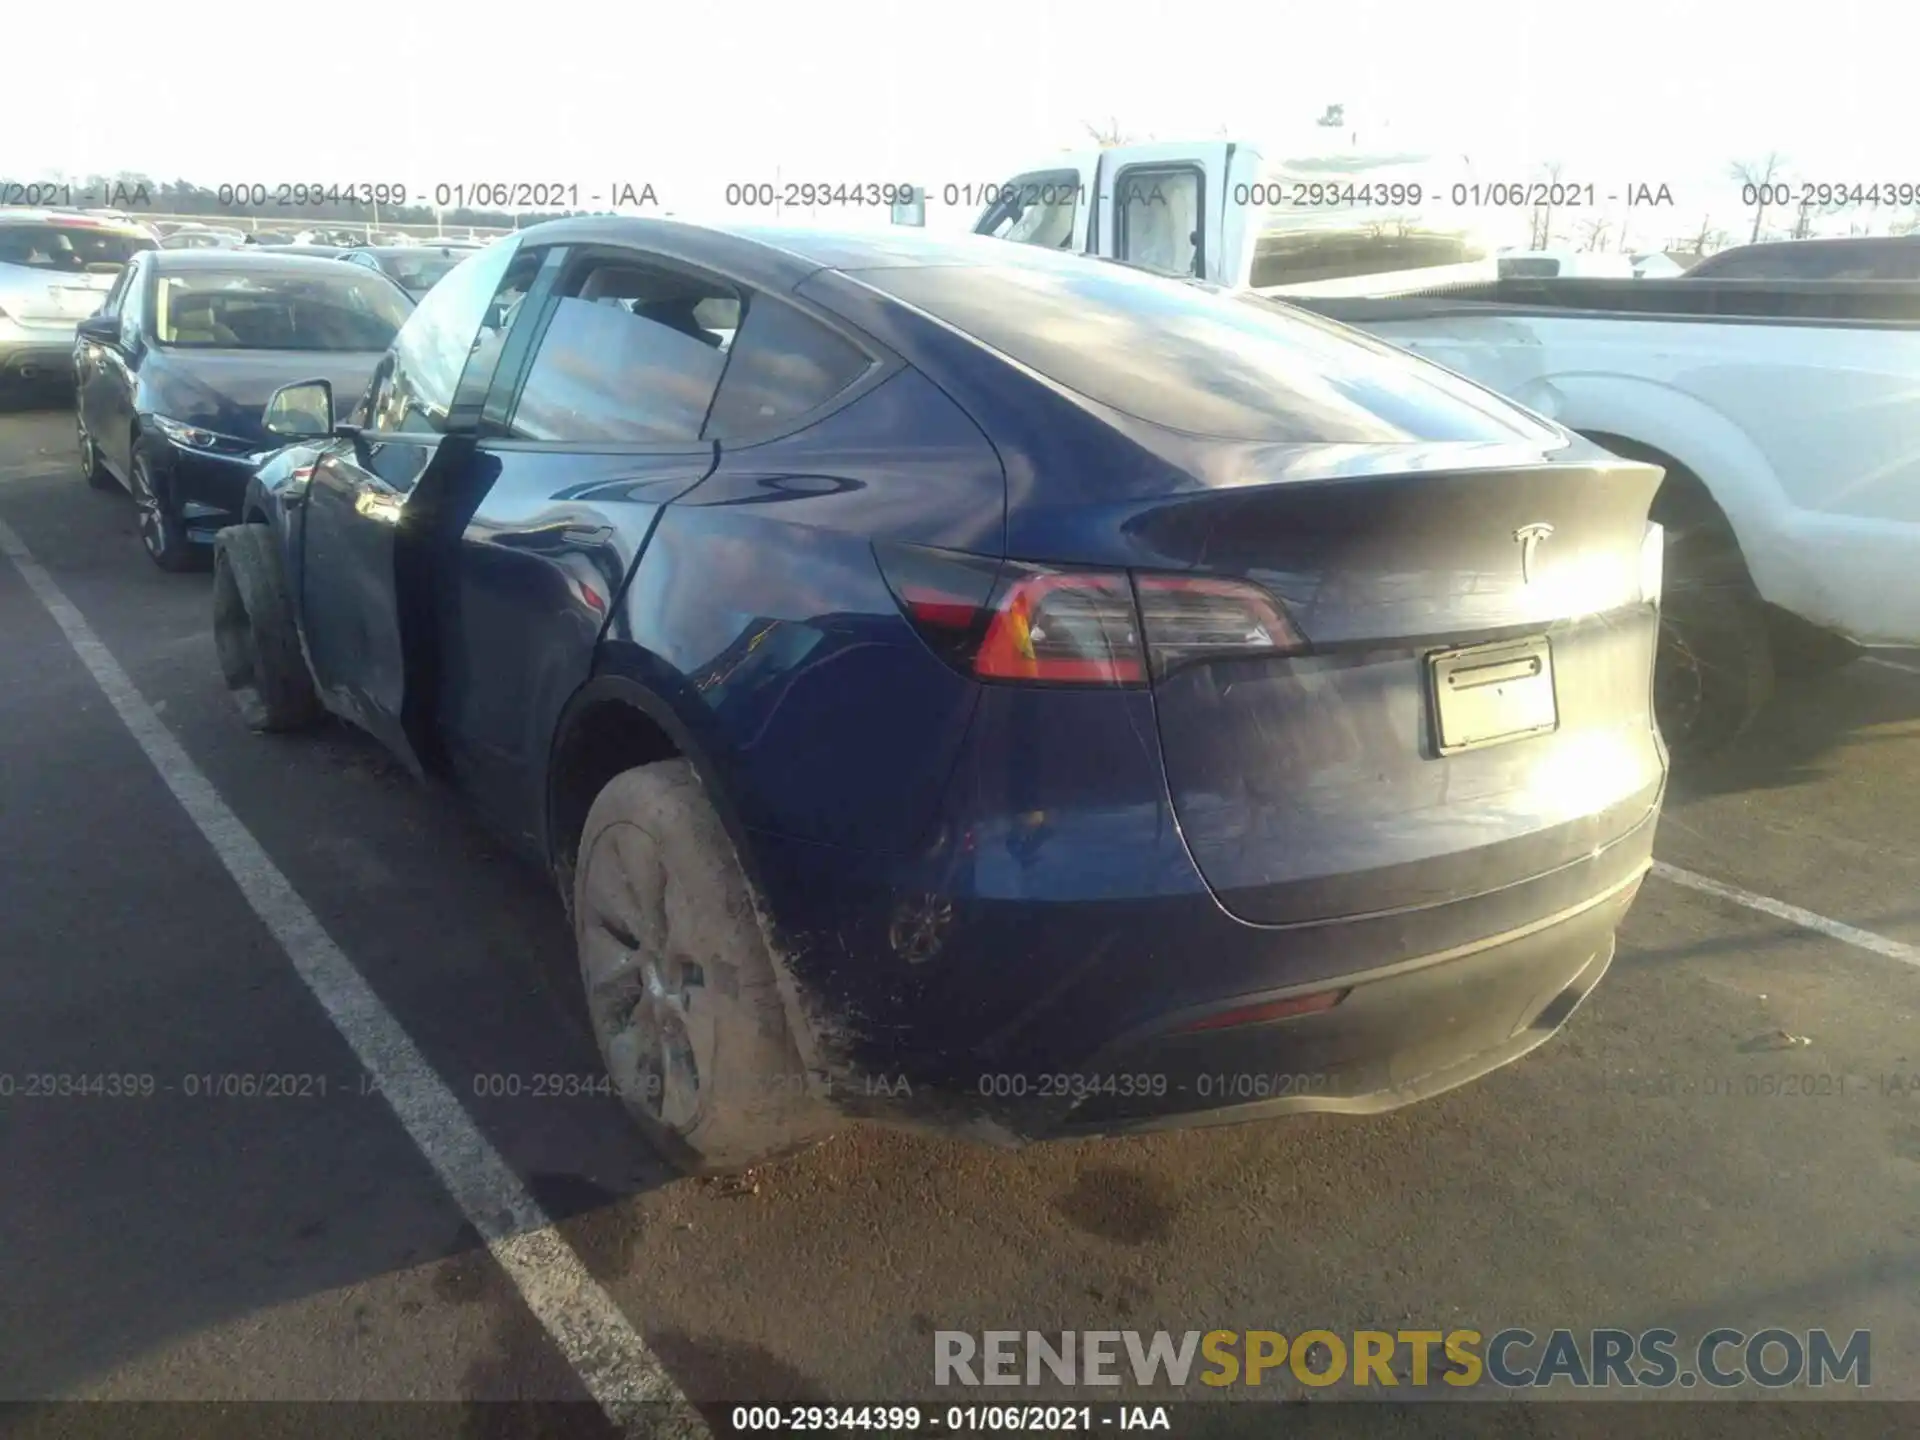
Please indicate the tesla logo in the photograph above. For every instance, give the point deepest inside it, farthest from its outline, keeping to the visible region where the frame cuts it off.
(1529, 538)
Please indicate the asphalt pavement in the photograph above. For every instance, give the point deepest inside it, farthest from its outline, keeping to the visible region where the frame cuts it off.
(1726, 1135)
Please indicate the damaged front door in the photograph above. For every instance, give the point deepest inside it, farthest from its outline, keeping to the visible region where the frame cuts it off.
(370, 530)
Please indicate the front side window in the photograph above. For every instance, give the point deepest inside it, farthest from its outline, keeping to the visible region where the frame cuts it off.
(414, 389)
(1157, 218)
(631, 355)
(247, 309)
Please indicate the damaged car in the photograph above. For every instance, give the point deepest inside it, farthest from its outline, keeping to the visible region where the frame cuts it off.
(960, 686)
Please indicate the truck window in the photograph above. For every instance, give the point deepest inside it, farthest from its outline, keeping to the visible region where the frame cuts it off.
(1157, 217)
(1037, 209)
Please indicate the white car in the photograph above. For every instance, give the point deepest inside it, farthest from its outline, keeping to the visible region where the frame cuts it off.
(56, 268)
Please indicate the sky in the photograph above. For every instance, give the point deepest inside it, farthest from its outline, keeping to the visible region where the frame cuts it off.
(688, 98)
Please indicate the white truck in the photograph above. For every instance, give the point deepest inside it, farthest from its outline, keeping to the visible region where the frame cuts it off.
(1786, 415)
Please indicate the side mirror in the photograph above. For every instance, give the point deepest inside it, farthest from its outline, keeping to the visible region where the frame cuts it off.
(301, 411)
(100, 329)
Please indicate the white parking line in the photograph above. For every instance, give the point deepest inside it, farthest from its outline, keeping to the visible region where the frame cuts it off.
(1892, 665)
(1793, 914)
(605, 1351)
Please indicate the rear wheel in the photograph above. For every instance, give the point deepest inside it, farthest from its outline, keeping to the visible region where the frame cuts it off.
(256, 634)
(680, 984)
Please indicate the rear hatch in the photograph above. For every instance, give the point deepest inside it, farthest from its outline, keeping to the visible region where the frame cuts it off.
(1401, 632)
(1470, 701)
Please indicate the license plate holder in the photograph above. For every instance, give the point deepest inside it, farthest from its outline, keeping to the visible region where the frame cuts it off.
(1492, 694)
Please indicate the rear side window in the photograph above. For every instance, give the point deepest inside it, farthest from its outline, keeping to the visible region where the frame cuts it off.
(783, 364)
(632, 355)
(1203, 360)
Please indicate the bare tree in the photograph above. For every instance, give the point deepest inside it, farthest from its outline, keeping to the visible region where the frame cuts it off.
(1109, 135)
(1542, 236)
(1593, 233)
(1707, 238)
(1760, 175)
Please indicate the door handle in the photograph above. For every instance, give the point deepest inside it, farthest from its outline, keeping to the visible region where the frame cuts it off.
(586, 534)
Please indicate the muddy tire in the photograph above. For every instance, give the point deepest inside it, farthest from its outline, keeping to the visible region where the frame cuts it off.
(1715, 668)
(680, 985)
(256, 635)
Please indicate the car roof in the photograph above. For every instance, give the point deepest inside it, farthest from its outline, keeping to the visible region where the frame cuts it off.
(79, 219)
(403, 250)
(187, 261)
(779, 257)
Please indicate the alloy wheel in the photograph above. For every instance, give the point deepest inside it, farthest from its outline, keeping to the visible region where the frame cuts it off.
(645, 1000)
(147, 500)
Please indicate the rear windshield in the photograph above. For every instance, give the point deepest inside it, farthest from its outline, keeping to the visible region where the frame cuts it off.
(75, 249)
(234, 310)
(1204, 360)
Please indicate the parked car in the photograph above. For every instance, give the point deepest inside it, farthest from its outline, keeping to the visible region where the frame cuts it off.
(414, 268)
(1877, 257)
(173, 372)
(202, 237)
(1782, 416)
(964, 686)
(324, 252)
(55, 270)
(1544, 264)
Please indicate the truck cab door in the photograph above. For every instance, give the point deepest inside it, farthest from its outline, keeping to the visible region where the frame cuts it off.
(1166, 207)
(1051, 207)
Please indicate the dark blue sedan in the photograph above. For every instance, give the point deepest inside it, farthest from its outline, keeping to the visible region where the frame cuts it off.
(173, 371)
(957, 685)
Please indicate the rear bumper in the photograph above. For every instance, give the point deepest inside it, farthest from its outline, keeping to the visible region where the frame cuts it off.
(35, 352)
(1399, 1036)
(1031, 1021)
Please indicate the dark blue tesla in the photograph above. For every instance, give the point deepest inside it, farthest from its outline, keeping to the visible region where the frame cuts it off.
(953, 684)
(173, 371)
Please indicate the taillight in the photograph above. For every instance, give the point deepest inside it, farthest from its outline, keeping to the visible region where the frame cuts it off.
(1199, 617)
(1062, 627)
(1037, 624)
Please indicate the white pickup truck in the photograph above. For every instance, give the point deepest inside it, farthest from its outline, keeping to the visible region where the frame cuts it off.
(1786, 415)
